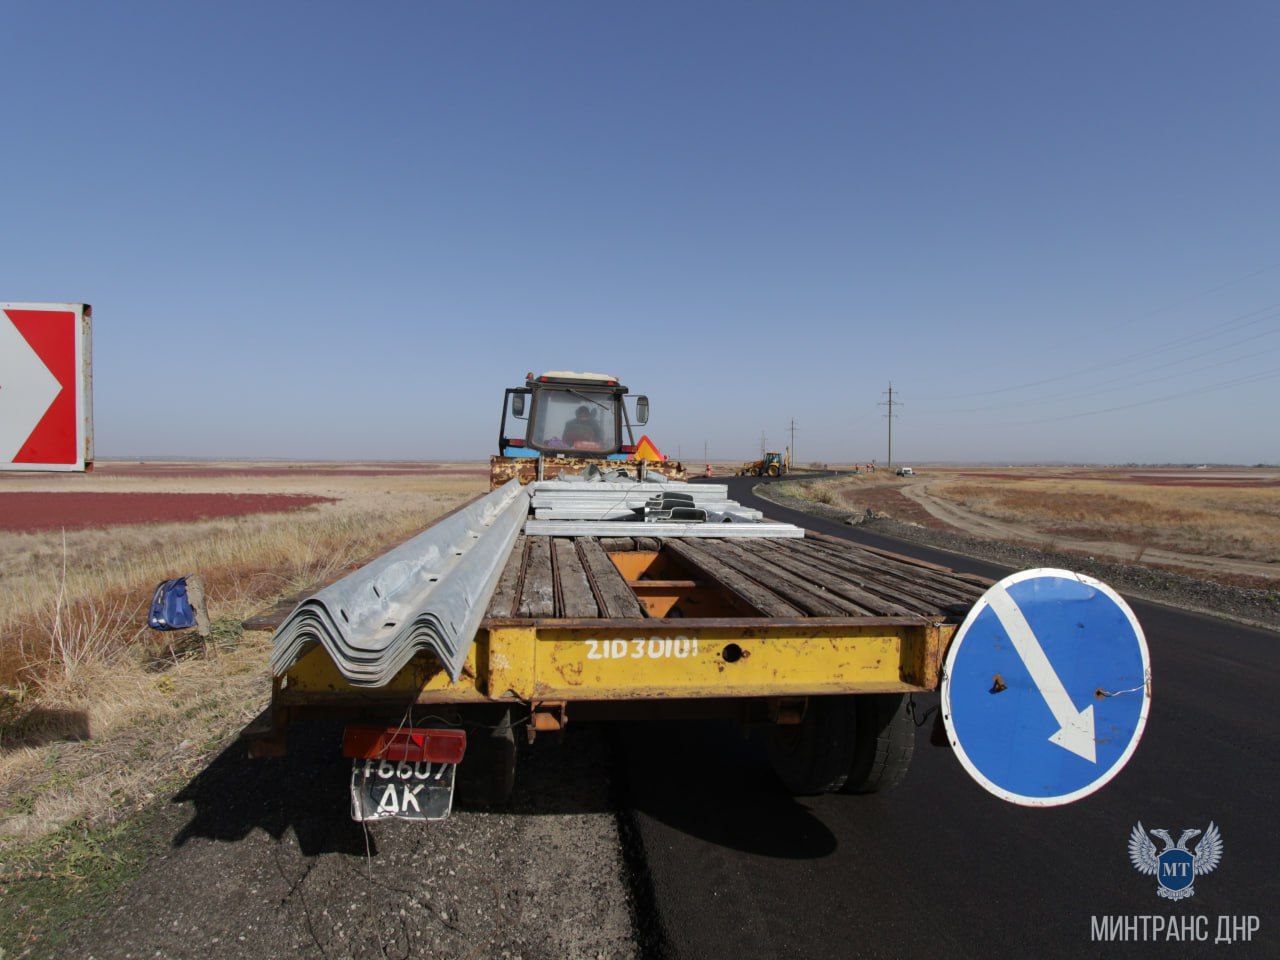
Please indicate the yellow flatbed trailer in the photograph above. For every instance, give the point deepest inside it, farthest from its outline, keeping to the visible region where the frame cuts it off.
(768, 631)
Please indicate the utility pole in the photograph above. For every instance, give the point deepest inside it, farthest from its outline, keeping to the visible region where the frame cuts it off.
(761, 444)
(793, 439)
(706, 457)
(890, 403)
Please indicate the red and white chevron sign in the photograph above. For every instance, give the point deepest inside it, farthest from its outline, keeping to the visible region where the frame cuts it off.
(46, 417)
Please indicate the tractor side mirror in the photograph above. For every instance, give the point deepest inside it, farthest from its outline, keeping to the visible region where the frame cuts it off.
(517, 404)
(642, 410)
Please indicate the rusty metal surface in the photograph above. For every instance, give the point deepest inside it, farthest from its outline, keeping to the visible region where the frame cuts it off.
(525, 469)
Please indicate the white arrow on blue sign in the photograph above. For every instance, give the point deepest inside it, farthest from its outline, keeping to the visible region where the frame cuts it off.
(1046, 687)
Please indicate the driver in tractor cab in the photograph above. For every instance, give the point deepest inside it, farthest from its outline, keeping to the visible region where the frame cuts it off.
(582, 431)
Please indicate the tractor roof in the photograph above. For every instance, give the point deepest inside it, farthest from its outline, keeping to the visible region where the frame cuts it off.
(572, 375)
(578, 379)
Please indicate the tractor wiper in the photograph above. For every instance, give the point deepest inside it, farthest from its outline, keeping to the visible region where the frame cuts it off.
(601, 405)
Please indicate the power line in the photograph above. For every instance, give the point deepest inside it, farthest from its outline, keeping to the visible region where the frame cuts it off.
(890, 416)
(1128, 380)
(1204, 293)
(1237, 323)
(1251, 378)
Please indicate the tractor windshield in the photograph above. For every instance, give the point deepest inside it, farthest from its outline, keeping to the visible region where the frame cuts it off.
(574, 420)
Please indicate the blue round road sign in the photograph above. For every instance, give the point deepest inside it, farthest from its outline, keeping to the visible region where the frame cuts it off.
(1046, 688)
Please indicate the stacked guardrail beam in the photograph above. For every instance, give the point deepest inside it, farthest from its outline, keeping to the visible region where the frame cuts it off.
(429, 593)
(667, 508)
(627, 500)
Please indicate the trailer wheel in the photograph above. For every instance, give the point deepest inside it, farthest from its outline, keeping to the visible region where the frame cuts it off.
(816, 754)
(884, 741)
(487, 773)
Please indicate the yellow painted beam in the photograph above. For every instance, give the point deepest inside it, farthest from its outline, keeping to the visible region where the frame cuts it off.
(511, 662)
(526, 662)
(726, 662)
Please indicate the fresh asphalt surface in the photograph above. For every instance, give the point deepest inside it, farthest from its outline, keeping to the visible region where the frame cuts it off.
(736, 868)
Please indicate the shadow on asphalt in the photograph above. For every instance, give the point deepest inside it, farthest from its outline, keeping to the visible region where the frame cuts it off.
(705, 780)
(701, 778)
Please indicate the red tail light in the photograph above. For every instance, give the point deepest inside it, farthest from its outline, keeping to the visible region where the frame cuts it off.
(515, 443)
(626, 448)
(412, 744)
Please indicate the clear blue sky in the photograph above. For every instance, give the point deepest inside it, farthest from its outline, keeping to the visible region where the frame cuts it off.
(340, 230)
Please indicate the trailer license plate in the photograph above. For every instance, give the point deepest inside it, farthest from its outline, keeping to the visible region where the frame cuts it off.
(404, 790)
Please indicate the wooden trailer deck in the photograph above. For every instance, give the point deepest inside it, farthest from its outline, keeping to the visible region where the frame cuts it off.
(584, 620)
(642, 577)
(639, 618)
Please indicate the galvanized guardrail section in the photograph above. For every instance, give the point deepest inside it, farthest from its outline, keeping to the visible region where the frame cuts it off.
(428, 593)
(652, 499)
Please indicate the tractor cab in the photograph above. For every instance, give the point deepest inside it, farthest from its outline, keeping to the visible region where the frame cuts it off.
(563, 422)
(569, 414)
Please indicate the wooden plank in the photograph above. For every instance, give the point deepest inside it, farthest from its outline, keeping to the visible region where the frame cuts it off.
(935, 583)
(504, 597)
(901, 585)
(881, 561)
(896, 576)
(795, 590)
(538, 597)
(894, 589)
(615, 597)
(802, 566)
(648, 543)
(617, 544)
(754, 595)
(762, 624)
(891, 581)
(276, 614)
(576, 598)
(981, 581)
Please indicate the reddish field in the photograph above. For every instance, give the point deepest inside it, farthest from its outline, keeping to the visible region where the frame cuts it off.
(213, 471)
(27, 512)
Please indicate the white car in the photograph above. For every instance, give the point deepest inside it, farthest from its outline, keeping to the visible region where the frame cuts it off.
(906, 472)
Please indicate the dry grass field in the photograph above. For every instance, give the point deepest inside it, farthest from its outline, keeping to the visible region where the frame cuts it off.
(94, 707)
(1212, 514)
(880, 492)
(1225, 522)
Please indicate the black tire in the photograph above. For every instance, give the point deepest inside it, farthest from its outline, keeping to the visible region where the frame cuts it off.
(884, 741)
(487, 773)
(815, 755)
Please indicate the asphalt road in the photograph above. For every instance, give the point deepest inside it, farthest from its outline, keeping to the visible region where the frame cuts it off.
(735, 867)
